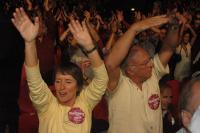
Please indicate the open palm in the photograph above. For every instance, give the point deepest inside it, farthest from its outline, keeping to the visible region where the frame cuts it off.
(81, 33)
(27, 29)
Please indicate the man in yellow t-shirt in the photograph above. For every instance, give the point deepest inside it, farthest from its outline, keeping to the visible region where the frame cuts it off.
(132, 109)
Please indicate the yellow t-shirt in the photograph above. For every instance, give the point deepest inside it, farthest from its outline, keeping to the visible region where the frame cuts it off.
(134, 111)
(57, 118)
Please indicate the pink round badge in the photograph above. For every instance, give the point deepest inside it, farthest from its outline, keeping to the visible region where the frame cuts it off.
(154, 101)
(76, 115)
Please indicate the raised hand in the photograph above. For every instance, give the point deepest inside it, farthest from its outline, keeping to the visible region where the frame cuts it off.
(114, 26)
(27, 29)
(181, 18)
(81, 34)
(87, 15)
(150, 22)
(138, 16)
(120, 16)
(71, 16)
(98, 17)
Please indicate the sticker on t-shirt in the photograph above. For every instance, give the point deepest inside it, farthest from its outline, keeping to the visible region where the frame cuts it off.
(154, 101)
(76, 115)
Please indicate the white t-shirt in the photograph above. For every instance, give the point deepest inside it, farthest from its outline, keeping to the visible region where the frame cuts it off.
(182, 130)
(195, 122)
(182, 69)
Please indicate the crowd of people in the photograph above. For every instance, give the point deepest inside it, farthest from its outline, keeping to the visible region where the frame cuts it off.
(90, 70)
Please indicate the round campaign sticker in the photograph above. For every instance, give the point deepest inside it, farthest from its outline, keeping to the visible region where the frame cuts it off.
(76, 115)
(154, 101)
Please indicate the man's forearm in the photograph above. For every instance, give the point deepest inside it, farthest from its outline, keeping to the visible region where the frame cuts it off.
(121, 48)
(170, 44)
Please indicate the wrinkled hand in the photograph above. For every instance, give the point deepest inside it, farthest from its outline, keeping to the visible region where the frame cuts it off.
(81, 34)
(150, 22)
(27, 29)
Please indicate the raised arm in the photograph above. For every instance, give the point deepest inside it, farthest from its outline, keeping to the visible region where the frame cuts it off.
(171, 41)
(29, 3)
(169, 45)
(46, 5)
(39, 93)
(64, 34)
(112, 37)
(94, 91)
(91, 30)
(29, 32)
(194, 35)
(81, 34)
(184, 20)
(121, 47)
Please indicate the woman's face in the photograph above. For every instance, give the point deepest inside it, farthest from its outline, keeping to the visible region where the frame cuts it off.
(66, 88)
(166, 100)
(186, 38)
(163, 33)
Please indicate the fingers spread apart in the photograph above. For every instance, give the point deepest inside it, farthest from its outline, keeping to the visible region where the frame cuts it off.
(75, 26)
(19, 16)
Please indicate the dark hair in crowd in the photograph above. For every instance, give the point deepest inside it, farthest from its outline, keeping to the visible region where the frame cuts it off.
(164, 86)
(73, 70)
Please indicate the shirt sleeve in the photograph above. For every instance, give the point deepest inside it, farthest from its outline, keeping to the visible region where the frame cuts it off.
(159, 69)
(40, 94)
(94, 91)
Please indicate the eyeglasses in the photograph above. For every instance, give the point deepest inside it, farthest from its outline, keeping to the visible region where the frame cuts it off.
(196, 74)
(145, 63)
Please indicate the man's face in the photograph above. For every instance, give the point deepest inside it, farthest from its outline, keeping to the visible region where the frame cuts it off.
(166, 98)
(142, 64)
(186, 38)
(163, 33)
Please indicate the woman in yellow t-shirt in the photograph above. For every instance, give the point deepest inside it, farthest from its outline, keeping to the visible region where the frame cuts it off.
(70, 110)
